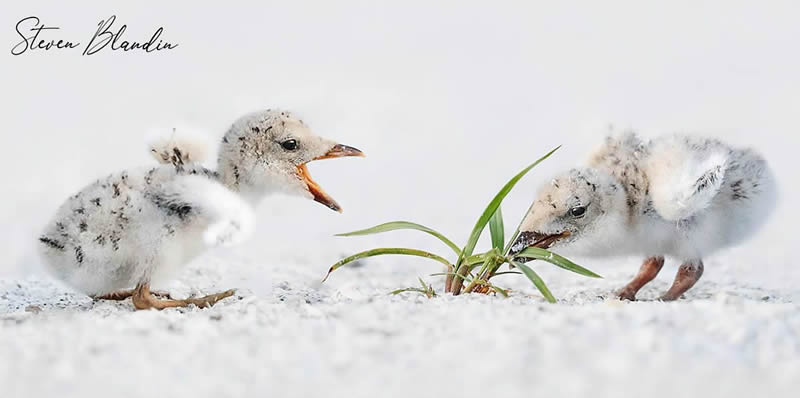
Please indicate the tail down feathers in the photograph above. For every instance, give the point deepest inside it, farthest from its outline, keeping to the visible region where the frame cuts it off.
(179, 149)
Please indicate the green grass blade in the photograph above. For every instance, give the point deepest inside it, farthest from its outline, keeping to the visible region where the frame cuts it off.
(467, 277)
(537, 281)
(502, 291)
(493, 205)
(496, 229)
(427, 289)
(555, 259)
(506, 273)
(396, 225)
(408, 289)
(476, 259)
(421, 282)
(516, 232)
(429, 293)
(385, 251)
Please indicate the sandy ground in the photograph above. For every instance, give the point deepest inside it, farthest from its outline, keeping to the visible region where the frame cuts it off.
(348, 337)
(448, 102)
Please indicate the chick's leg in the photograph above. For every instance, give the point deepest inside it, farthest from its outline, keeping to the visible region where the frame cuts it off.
(143, 299)
(116, 296)
(688, 274)
(123, 294)
(647, 272)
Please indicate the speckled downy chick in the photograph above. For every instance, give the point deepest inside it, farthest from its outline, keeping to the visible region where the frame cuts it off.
(679, 196)
(116, 235)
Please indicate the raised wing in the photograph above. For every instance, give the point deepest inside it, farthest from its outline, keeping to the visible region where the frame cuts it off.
(230, 219)
(685, 175)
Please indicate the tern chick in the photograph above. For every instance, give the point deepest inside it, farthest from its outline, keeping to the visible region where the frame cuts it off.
(679, 196)
(116, 235)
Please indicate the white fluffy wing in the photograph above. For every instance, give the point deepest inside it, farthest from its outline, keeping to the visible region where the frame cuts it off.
(231, 219)
(684, 177)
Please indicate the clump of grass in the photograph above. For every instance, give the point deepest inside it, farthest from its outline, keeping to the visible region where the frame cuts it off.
(471, 273)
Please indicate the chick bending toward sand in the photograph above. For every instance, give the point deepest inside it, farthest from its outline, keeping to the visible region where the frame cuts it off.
(679, 196)
(116, 235)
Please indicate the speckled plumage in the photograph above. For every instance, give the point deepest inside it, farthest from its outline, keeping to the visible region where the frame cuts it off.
(135, 226)
(114, 231)
(679, 196)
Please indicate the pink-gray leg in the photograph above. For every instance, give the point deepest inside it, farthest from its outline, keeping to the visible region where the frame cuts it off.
(688, 274)
(647, 272)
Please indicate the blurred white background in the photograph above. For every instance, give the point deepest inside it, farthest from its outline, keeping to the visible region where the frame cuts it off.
(448, 100)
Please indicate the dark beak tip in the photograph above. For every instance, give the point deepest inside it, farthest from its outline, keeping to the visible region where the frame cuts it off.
(523, 241)
(329, 203)
(341, 150)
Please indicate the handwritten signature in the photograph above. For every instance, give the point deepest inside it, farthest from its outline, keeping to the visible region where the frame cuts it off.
(37, 36)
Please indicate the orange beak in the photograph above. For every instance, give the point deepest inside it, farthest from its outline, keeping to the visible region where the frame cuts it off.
(319, 194)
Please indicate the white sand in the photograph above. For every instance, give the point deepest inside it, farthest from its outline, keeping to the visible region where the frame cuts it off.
(447, 102)
(349, 338)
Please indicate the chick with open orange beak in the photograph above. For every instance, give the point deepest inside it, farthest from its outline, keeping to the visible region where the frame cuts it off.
(268, 151)
(119, 234)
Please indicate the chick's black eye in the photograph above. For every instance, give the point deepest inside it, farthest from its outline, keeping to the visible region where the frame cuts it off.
(578, 211)
(289, 145)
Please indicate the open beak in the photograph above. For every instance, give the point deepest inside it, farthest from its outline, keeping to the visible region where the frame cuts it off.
(319, 194)
(528, 239)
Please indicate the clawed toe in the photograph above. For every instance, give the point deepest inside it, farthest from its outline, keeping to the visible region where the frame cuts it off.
(668, 297)
(211, 299)
(625, 294)
(144, 299)
(114, 296)
(161, 294)
(123, 294)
